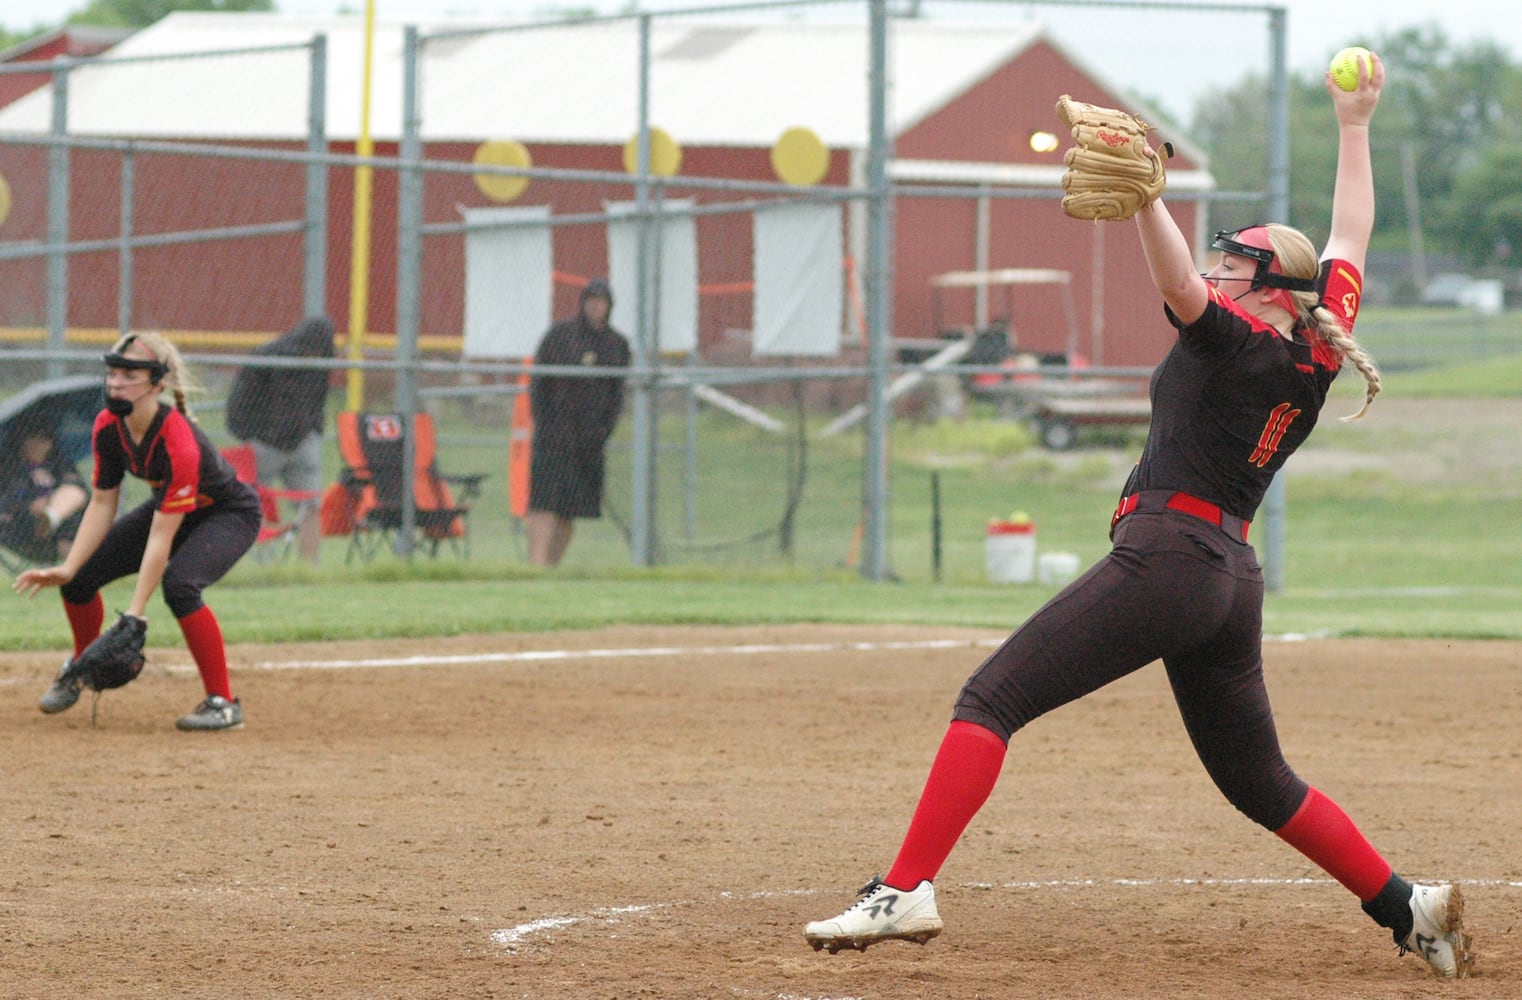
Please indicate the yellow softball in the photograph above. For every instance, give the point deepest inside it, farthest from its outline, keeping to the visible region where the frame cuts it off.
(1344, 67)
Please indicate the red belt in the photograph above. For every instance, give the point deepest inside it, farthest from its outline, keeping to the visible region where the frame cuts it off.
(1168, 500)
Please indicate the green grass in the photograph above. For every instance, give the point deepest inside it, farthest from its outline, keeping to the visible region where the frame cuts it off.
(1493, 377)
(1430, 339)
(1367, 553)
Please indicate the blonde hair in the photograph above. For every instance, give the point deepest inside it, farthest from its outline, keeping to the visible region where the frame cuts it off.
(1296, 256)
(178, 380)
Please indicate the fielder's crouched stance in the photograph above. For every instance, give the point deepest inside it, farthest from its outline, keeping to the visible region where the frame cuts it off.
(1260, 338)
(199, 521)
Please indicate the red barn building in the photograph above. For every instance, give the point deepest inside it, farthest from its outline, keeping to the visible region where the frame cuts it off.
(970, 107)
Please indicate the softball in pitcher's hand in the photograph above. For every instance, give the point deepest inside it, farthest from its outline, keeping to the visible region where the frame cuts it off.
(1345, 66)
(1112, 173)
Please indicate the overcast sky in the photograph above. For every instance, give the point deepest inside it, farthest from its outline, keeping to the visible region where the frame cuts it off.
(1166, 53)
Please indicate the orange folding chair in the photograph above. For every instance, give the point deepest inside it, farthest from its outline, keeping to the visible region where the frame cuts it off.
(284, 510)
(372, 446)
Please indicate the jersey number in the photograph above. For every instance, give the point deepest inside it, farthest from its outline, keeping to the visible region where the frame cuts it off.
(1273, 432)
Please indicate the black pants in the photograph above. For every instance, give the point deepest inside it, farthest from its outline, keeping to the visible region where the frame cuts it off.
(1174, 588)
(566, 481)
(210, 541)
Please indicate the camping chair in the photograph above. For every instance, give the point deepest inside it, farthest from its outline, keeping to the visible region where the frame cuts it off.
(371, 445)
(284, 510)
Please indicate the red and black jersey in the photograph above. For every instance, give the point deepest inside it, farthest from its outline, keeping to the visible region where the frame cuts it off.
(175, 458)
(1233, 399)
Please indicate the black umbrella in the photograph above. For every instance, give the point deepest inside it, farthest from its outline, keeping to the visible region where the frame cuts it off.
(62, 408)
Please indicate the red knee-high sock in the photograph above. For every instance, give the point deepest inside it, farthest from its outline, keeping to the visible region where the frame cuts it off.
(204, 638)
(85, 621)
(963, 774)
(1323, 832)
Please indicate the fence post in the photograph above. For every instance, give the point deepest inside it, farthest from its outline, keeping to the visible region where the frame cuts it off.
(646, 350)
(874, 563)
(1278, 208)
(58, 221)
(409, 253)
(314, 287)
(124, 251)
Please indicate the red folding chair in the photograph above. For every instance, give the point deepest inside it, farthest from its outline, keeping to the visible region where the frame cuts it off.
(284, 510)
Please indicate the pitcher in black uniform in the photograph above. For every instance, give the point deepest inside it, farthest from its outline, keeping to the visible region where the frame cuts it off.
(199, 521)
(1260, 338)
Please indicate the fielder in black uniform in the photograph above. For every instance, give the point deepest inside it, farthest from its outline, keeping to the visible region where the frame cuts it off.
(199, 521)
(1260, 338)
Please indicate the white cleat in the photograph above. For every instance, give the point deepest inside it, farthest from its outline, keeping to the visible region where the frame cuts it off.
(1437, 930)
(882, 914)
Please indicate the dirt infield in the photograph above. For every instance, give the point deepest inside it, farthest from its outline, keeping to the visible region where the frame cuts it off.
(656, 813)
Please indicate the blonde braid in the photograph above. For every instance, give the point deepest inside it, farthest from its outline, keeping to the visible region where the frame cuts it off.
(1330, 329)
(1353, 353)
(1297, 258)
(1319, 321)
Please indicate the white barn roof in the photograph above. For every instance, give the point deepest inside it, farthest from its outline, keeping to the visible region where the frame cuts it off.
(712, 82)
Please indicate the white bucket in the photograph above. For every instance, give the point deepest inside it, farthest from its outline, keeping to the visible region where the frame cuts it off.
(1009, 552)
(1057, 567)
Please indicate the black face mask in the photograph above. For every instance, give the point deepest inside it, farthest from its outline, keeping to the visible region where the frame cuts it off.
(116, 359)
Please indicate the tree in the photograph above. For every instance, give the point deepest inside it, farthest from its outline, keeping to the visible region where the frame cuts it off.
(141, 13)
(1484, 214)
(1472, 142)
(1233, 126)
(1454, 112)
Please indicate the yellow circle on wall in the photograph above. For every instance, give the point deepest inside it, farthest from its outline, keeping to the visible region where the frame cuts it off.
(665, 154)
(800, 157)
(502, 153)
(5, 199)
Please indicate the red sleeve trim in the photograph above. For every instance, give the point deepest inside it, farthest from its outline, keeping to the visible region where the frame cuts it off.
(184, 454)
(1344, 292)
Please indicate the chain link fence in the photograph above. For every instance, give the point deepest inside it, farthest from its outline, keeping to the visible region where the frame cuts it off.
(728, 219)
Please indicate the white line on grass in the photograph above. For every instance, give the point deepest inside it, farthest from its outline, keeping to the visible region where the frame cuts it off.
(561, 655)
(567, 655)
